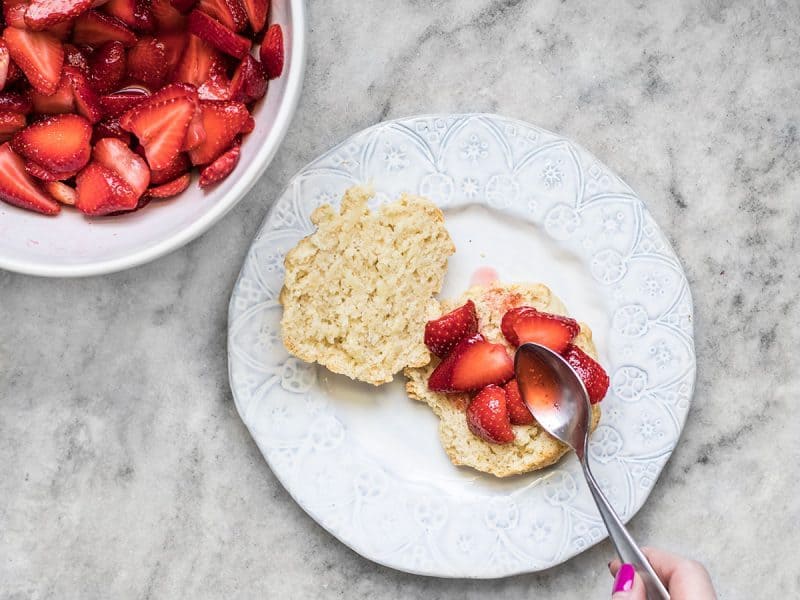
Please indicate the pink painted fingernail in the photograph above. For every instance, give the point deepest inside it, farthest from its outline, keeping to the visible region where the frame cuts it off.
(624, 579)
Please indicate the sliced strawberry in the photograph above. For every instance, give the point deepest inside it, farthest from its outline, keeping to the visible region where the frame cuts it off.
(167, 17)
(518, 411)
(101, 191)
(40, 55)
(10, 123)
(107, 67)
(183, 6)
(174, 44)
(228, 12)
(43, 14)
(161, 128)
(59, 143)
(144, 20)
(14, 74)
(256, 13)
(43, 174)
(143, 201)
(75, 57)
(14, 13)
(17, 187)
(87, 103)
(216, 86)
(15, 102)
(216, 34)
(117, 103)
(590, 371)
(222, 121)
(173, 170)
(110, 128)
(271, 51)
(172, 188)
(221, 167)
(5, 63)
(442, 334)
(248, 126)
(487, 416)
(95, 28)
(147, 61)
(249, 82)
(115, 155)
(124, 10)
(473, 364)
(526, 324)
(62, 101)
(61, 191)
(196, 63)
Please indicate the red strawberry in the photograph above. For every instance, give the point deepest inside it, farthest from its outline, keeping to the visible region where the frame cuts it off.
(517, 409)
(221, 167)
(271, 51)
(222, 121)
(61, 192)
(196, 63)
(40, 55)
(110, 128)
(216, 34)
(95, 28)
(487, 416)
(216, 86)
(59, 143)
(17, 187)
(175, 169)
(120, 102)
(115, 155)
(248, 126)
(87, 103)
(228, 12)
(167, 17)
(43, 14)
(14, 13)
(74, 57)
(10, 123)
(147, 61)
(161, 128)
(15, 102)
(43, 174)
(473, 364)
(5, 63)
(589, 370)
(107, 67)
(124, 10)
(101, 191)
(442, 334)
(183, 6)
(526, 324)
(145, 21)
(256, 13)
(249, 82)
(62, 101)
(172, 188)
(174, 44)
(14, 74)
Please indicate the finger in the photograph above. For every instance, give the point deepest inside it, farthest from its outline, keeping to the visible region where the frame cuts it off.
(626, 588)
(614, 566)
(683, 577)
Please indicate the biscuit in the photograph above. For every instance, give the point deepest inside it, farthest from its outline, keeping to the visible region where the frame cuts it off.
(533, 448)
(358, 292)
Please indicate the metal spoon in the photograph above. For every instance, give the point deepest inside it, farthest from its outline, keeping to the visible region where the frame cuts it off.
(559, 402)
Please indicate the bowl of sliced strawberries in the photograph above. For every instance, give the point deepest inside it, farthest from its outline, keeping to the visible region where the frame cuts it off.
(129, 127)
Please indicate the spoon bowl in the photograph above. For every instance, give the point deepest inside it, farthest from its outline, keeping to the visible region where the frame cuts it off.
(558, 400)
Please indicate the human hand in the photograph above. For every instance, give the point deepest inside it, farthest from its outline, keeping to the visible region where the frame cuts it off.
(684, 578)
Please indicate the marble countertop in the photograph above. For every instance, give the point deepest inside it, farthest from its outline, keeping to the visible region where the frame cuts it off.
(125, 471)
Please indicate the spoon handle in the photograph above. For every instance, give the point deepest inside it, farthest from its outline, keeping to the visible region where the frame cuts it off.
(627, 549)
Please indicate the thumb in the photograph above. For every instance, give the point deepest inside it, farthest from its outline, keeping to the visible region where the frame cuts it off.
(628, 585)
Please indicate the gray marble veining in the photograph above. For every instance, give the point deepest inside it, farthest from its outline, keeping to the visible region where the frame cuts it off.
(125, 471)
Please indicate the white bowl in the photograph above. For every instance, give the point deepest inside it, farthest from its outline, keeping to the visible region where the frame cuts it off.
(71, 245)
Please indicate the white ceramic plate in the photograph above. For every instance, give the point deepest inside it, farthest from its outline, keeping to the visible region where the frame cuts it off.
(71, 245)
(366, 462)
